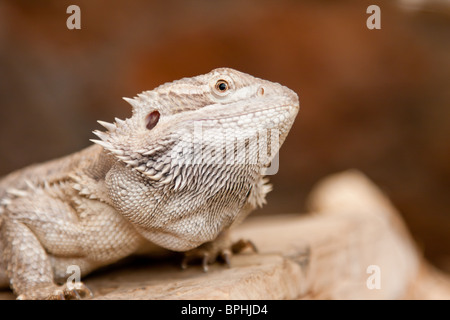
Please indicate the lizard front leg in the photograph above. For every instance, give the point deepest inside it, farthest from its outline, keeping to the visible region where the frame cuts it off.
(43, 231)
(28, 266)
(37, 225)
(221, 248)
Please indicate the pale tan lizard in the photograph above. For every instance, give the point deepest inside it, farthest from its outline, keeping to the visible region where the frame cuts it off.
(186, 167)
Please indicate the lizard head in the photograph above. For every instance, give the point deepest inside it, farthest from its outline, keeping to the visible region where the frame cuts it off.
(174, 123)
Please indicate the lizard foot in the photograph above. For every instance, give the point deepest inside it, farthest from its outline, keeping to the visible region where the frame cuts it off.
(211, 252)
(75, 291)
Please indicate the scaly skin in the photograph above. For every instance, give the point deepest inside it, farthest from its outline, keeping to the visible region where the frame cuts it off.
(185, 168)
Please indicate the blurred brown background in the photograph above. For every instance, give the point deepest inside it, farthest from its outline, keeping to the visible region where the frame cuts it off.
(376, 100)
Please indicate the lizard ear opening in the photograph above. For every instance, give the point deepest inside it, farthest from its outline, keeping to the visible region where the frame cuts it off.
(151, 120)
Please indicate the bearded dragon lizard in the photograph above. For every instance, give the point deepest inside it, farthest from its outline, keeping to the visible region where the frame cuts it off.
(186, 167)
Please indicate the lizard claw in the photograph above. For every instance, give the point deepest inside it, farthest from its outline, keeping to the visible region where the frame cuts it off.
(226, 256)
(205, 262)
(194, 255)
(184, 262)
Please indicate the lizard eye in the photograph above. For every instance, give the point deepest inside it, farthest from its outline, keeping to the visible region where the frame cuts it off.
(222, 86)
(151, 120)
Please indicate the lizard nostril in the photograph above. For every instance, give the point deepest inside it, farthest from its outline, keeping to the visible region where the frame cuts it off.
(260, 91)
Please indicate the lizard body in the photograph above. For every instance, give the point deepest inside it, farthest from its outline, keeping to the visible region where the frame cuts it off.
(184, 168)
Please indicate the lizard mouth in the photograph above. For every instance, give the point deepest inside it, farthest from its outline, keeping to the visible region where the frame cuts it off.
(287, 107)
(267, 117)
